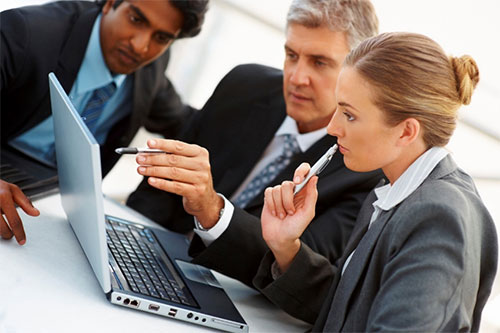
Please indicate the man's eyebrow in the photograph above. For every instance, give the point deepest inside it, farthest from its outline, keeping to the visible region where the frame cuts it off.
(143, 17)
(315, 56)
(324, 58)
(139, 13)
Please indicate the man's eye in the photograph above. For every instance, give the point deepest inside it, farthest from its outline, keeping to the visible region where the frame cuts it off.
(162, 39)
(135, 19)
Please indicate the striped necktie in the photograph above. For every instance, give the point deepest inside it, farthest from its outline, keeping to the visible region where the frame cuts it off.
(96, 104)
(269, 172)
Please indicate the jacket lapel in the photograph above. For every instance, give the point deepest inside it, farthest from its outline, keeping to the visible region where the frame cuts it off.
(354, 272)
(359, 231)
(72, 55)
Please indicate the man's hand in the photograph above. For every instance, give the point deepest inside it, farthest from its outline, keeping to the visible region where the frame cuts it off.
(285, 216)
(184, 170)
(10, 222)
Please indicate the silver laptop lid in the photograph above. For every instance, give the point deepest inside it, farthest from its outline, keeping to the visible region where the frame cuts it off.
(79, 169)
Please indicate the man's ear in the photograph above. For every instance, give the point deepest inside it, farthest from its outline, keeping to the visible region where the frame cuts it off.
(108, 6)
(409, 132)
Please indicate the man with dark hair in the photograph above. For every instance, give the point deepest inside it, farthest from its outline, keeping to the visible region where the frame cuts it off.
(110, 57)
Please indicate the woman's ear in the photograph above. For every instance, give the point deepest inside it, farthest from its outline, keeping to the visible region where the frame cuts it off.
(409, 132)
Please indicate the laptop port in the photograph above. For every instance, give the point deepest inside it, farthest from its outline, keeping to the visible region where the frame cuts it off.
(134, 303)
(126, 301)
(154, 307)
(172, 312)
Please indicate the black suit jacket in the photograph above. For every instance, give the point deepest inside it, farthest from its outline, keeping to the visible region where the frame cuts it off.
(37, 40)
(236, 125)
(426, 265)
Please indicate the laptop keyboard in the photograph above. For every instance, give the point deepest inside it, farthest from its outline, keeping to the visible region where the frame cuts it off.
(134, 251)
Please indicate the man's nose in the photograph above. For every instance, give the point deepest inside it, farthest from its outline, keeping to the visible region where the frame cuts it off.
(140, 42)
(300, 75)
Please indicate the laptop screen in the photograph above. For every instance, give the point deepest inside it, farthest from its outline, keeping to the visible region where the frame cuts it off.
(79, 169)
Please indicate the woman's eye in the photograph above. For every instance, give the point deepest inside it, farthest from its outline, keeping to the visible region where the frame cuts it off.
(349, 116)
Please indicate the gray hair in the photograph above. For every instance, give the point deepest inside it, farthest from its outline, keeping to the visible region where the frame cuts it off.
(357, 18)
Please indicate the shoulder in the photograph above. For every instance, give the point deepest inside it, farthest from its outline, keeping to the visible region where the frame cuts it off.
(55, 13)
(31, 25)
(252, 78)
(449, 203)
(255, 72)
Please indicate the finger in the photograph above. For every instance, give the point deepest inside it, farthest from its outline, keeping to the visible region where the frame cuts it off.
(268, 200)
(287, 196)
(5, 231)
(13, 220)
(175, 147)
(278, 204)
(200, 162)
(22, 201)
(311, 192)
(301, 173)
(179, 188)
(174, 173)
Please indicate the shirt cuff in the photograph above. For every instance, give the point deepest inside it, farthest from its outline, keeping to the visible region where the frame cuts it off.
(275, 271)
(210, 235)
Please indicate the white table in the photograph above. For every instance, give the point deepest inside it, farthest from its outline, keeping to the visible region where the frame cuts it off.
(47, 285)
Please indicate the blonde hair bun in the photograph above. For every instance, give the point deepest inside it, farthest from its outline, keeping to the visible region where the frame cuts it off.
(466, 75)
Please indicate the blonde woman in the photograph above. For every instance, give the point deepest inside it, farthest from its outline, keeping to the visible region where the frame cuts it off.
(423, 254)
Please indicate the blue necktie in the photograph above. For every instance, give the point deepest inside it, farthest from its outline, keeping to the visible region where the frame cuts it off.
(96, 104)
(269, 172)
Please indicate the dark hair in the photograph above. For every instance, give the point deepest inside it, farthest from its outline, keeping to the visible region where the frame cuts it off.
(192, 10)
(194, 15)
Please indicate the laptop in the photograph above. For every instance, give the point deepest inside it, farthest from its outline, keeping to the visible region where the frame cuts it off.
(138, 267)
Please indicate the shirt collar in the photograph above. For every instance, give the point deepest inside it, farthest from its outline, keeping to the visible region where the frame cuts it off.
(305, 140)
(94, 72)
(388, 196)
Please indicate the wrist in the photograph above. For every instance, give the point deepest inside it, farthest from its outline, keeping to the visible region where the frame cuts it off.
(209, 216)
(284, 253)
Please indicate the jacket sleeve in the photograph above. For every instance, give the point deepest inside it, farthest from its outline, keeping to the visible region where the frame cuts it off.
(303, 288)
(14, 39)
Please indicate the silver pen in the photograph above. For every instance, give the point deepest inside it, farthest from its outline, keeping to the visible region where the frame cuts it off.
(134, 150)
(319, 166)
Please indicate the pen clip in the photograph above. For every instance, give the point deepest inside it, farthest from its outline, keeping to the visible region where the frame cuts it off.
(323, 166)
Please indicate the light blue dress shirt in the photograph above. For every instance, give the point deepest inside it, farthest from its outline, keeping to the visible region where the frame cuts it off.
(38, 142)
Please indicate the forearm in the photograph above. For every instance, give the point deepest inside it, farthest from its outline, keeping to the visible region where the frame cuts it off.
(237, 252)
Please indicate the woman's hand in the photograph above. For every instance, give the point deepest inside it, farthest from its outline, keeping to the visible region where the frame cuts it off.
(285, 216)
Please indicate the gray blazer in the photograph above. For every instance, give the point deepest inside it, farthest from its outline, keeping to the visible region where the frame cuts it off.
(426, 265)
